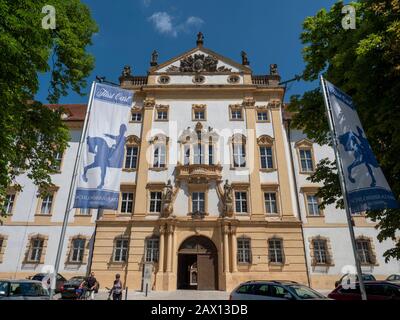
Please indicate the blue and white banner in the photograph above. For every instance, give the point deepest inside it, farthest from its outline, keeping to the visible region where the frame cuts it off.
(98, 182)
(367, 188)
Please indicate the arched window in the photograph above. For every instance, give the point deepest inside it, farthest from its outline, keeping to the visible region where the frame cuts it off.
(239, 151)
(159, 151)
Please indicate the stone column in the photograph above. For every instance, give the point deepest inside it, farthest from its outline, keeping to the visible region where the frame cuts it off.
(143, 165)
(162, 244)
(170, 233)
(225, 231)
(234, 249)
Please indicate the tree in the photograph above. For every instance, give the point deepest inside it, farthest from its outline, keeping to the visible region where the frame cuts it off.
(30, 133)
(364, 62)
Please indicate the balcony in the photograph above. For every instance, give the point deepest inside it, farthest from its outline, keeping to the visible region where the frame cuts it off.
(198, 172)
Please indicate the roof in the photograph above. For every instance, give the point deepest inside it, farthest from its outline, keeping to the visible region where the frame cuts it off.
(74, 112)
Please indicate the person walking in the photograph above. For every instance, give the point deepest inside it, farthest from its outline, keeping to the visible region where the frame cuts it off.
(91, 284)
(116, 290)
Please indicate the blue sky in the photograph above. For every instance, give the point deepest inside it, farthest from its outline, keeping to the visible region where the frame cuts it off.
(268, 30)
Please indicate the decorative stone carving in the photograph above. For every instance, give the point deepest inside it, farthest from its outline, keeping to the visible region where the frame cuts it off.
(173, 69)
(154, 58)
(167, 196)
(228, 199)
(127, 72)
(224, 69)
(198, 63)
(149, 103)
(273, 69)
(245, 60)
(249, 101)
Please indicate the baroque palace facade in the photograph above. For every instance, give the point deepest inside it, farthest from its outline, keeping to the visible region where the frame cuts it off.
(214, 191)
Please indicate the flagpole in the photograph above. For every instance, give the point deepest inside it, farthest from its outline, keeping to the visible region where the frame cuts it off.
(344, 190)
(71, 191)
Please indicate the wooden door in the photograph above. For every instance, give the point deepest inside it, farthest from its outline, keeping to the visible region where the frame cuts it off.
(206, 272)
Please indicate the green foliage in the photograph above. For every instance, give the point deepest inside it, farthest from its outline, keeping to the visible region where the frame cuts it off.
(30, 133)
(364, 62)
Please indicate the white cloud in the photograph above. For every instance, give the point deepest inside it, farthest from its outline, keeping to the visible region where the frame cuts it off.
(163, 23)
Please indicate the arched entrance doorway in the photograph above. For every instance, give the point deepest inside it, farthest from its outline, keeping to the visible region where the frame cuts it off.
(197, 264)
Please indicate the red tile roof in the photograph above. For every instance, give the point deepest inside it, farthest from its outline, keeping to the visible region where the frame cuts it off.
(76, 112)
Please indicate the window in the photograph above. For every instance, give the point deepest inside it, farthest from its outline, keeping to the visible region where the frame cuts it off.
(262, 116)
(320, 251)
(198, 202)
(199, 115)
(241, 201)
(163, 79)
(266, 157)
(186, 159)
(78, 249)
(84, 211)
(121, 250)
(239, 155)
(270, 203)
(155, 201)
(306, 160)
(210, 154)
(199, 154)
(198, 79)
(159, 156)
(127, 202)
(233, 79)
(131, 157)
(198, 112)
(36, 249)
(364, 251)
(313, 205)
(275, 248)
(152, 248)
(243, 250)
(162, 115)
(136, 117)
(47, 203)
(57, 161)
(9, 203)
(236, 114)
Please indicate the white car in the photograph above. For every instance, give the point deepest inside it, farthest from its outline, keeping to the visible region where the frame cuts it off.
(23, 290)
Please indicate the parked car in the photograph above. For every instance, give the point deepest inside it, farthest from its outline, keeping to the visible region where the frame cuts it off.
(346, 277)
(23, 290)
(69, 289)
(274, 290)
(376, 290)
(59, 280)
(395, 278)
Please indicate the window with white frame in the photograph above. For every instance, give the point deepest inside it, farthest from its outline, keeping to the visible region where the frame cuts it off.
(159, 159)
(210, 154)
(275, 250)
(47, 203)
(198, 153)
(364, 251)
(243, 250)
(57, 161)
(152, 250)
(241, 201)
(270, 202)
(186, 160)
(320, 249)
(199, 115)
(236, 114)
(262, 116)
(36, 249)
(77, 250)
(121, 250)
(239, 155)
(136, 117)
(198, 201)
(155, 201)
(313, 205)
(306, 160)
(266, 157)
(131, 157)
(162, 115)
(127, 202)
(9, 203)
(84, 211)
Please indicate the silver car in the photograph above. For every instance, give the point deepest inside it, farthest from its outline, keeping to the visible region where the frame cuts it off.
(23, 290)
(275, 290)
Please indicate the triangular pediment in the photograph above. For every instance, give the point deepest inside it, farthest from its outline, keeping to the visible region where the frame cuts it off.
(200, 59)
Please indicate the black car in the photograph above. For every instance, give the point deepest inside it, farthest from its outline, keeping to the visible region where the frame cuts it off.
(59, 281)
(69, 289)
(346, 278)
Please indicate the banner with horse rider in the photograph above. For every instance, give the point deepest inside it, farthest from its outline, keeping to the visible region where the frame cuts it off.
(98, 181)
(367, 188)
